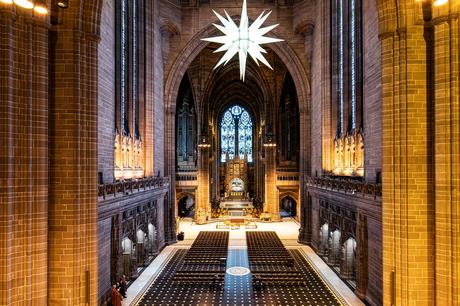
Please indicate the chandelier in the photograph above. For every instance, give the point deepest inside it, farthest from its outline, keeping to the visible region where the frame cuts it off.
(243, 40)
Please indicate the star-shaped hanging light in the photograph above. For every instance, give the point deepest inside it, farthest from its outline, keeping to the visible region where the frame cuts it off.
(243, 40)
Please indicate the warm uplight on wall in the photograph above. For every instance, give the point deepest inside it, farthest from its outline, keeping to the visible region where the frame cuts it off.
(440, 2)
(27, 4)
(39, 6)
(435, 2)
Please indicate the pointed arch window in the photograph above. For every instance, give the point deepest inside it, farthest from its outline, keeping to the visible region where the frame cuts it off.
(236, 130)
(127, 70)
(346, 64)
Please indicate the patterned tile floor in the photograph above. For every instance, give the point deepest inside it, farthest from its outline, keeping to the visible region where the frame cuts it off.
(153, 287)
(238, 290)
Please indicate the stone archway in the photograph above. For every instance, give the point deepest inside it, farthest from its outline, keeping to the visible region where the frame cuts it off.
(334, 247)
(323, 248)
(179, 68)
(288, 204)
(186, 206)
(348, 259)
(152, 240)
(127, 253)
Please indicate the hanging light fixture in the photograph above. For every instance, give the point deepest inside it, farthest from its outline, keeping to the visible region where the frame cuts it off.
(40, 7)
(27, 4)
(63, 3)
(245, 39)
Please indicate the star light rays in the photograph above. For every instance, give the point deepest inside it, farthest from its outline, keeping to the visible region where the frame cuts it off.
(243, 40)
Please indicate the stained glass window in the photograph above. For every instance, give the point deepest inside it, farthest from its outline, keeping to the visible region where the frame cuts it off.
(134, 67)
(341, 70)
(236, 130)
(353, 63)
(123, 65)
(127, 66)
(346, 43)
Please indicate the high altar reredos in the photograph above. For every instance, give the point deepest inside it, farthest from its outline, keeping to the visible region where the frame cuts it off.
(236, 199)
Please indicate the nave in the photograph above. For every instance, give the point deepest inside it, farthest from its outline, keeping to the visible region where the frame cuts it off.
(263, 266)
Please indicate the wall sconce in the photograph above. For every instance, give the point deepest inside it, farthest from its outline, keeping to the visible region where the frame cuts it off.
(204, 142)
(63, 3)
(269, 139)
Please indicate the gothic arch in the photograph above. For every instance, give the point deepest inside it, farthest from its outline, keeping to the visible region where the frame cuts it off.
(196, 45)
(182, 62)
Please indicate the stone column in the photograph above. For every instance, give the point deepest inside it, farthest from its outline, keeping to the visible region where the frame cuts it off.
(73, 209)
(407, 206)
(446, 122)
(305, 216)
(203, 203)
(168, 209)
(271, 203)
(362, 256)
(24, 124)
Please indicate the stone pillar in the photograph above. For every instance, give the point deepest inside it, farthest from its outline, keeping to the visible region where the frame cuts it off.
(305, 218)
(24, 155)
(446, 153)
(169, 219)
(73, 209)
(167, 209)
(407, 206)
(203, 203)
(362, 256)
(271, 203)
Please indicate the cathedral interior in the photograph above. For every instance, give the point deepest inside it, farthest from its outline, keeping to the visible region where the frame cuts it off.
(316, 165)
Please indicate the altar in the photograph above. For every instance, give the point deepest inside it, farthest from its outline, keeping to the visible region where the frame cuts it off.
(236, 200)
(238, 208)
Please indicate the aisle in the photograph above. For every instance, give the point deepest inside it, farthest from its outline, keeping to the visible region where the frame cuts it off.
(238, 289)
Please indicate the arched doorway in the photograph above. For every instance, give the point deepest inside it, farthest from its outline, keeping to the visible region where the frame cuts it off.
(323, 248)
(140, 251)
(152, 240)
(334, 248)
(186, 207)
(347, 266)
(288, 207)
(127, 249)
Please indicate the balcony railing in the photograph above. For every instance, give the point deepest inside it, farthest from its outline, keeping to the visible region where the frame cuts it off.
(346, 186)
(287, 176)
(122, 188)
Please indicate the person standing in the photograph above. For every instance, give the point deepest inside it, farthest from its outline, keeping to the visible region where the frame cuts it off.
(123, 286)
(116, 296)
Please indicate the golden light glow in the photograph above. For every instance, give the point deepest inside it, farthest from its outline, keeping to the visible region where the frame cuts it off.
(349, 155)
(24, 3)
(128, 158)
(440, 2)
(41, 9)
(6, 1)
